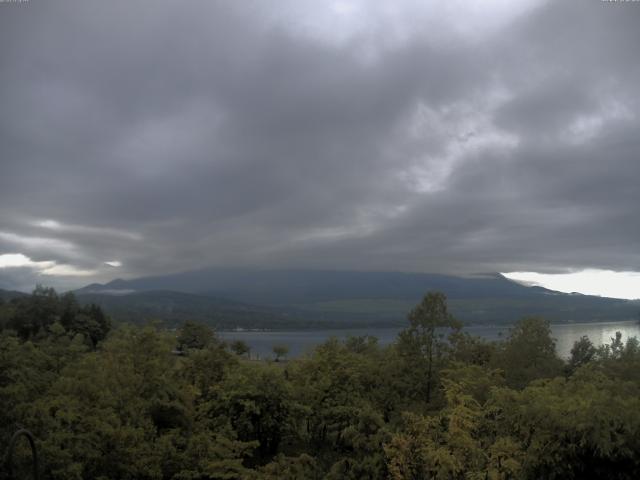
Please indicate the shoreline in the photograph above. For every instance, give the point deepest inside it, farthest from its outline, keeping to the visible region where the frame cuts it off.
(389, 327)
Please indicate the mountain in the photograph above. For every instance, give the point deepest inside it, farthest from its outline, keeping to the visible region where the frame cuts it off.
(347, 298)
(285, 287)
(173, 308)
(7, 295)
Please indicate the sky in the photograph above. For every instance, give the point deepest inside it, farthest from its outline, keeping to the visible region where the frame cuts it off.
(462, 137)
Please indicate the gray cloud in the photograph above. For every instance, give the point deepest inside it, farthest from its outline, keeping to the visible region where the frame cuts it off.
(171, 135)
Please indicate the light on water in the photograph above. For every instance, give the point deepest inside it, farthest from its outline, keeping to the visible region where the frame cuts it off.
(301, 342)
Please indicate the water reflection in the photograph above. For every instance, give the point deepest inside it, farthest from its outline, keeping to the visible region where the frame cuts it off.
(300, 342)
(598, 333)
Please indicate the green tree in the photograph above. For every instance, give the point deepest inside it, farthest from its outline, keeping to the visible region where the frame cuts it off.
(586, 426)
(421, 343)
(36, 313)
(240, 348)
(282, 467)
(582, 353)
(26, 373)
(362, 344)
(470, 349)
(448, 445)
(205, 369)
(257, 401)
(613, 350)
(90, 322)
(32, 317)
(128, 411)
(280, 351)
(194, 335)
(529, 353)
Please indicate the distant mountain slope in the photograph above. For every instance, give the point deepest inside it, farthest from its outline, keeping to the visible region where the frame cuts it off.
(7, 295)
(348, 298)
(286, 287)
(175, 307)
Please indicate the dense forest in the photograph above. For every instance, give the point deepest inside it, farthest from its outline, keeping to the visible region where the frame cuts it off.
(152, 403)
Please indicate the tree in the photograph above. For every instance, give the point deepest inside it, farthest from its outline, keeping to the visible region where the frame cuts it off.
(89, 321)
(34, 317)
(68, 309)
(361, 344)
(36, 313)
(256, 400)
(280, 351)
(470, 349)
(584, 427)
(421, 343)
(457, 443)
(582, 353)
(617, 346)
(127, 411)
(291, 468)
(529, 353)
(620, 360)
(194, 335)
(240, 347)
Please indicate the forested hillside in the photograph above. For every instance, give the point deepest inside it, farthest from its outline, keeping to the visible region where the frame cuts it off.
(173, 308)
(146, 403)
(309, 298)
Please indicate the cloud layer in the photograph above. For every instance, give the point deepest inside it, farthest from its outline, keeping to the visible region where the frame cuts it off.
(149, 137)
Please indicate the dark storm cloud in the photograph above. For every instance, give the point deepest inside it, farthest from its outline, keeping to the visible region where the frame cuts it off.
(172, 135)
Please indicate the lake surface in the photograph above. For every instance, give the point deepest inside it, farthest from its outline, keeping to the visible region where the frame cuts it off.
(301, 342)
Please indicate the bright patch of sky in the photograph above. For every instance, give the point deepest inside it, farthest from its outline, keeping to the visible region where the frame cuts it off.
(45, 243)
(56, 226)
(46, 267)
(342, 20)
(605, 283)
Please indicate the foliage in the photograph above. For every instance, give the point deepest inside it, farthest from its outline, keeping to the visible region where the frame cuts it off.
(194, 335)
(421, 344)
(582, 353)
(124, 405)
(240, 347)
(528, 353)
(35, 315)
(280, 351)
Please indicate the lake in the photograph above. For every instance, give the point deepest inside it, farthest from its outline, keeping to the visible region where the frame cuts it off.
(300, 342)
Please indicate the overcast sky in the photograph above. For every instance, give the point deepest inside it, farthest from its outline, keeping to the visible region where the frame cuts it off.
(147, 137)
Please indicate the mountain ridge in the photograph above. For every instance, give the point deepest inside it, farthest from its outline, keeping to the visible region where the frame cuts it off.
(351, 298)
(284, 286)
